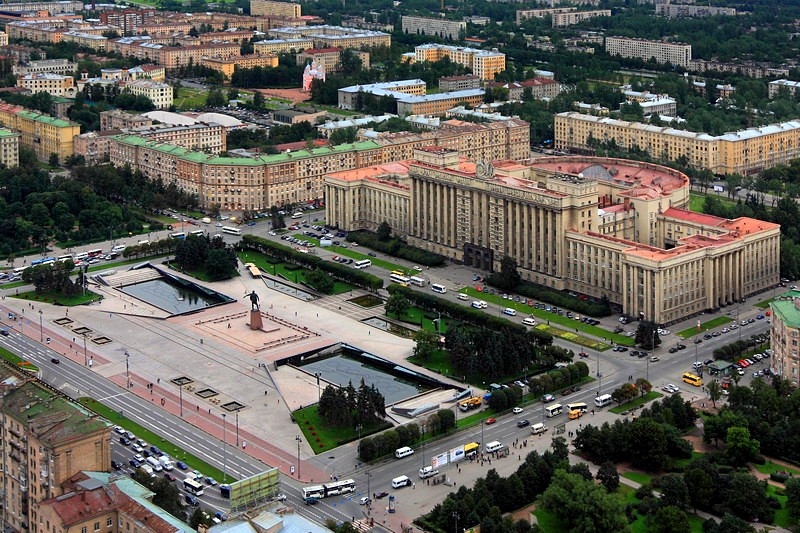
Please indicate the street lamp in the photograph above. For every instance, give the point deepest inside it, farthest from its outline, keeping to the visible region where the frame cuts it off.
(237, 429)
(180, 395)
(359, 427)
(85, 356)
(41, 327)
(127, 368)
(455, 515)
(224, 450)
(298, 439)
(319, 392)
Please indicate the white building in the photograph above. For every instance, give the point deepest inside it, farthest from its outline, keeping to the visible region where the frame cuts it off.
(447, 29)
(158, 93)
(679, 54)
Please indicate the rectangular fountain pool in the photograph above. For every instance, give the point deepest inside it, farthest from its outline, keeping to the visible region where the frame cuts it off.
(170, 297)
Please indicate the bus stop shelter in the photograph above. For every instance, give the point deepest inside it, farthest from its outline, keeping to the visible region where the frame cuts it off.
(720, 368)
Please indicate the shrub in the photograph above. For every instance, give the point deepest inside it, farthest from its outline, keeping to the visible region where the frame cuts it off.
(561, 299)
(396, 248)
(780, 477)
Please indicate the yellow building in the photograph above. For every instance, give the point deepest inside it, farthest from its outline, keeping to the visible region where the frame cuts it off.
(270, 8)
(742, 152)
(276, 46)
(47, 82)
(3, 38)
(89, 40)
(43, 134)
(327, 36)
(46, 440)
(438, 104)
(228, 66)
(9, 148)
(484, 63)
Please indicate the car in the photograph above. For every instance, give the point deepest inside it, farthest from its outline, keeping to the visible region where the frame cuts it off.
(654, 359)
(725, 330)
(137, 448)
(218, 224)
(756, 374)
(134, 463)
(522, 423)
(548, 398)
(743, 323)
(698, 341)
(211, 481)
(181, 465)
(119, 430)
(697, 364)
(169, 476)
(740, 372)
(55, 360)
(672, 388)
(751, 320)
(681, 346)
(716, 334)
(310, 501)
(707, 336)
(4, 332)
(154, 449)
(517, 410)
(618, 329)
(279, 498)
(192, 500)
(417, 268)
(381, 495)
(586, 354)
(750, 361)
(708, 361)
(139, 457)
(760, 317)
(623, 349)
(115, 465)
(372, 254)
(219, 515)
(490, 421)
(673, 350)
(124, 441)
(365, 500)
(734, 326)
(566, 392)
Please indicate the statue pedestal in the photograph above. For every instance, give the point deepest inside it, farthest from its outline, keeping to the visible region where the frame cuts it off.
(255, 320)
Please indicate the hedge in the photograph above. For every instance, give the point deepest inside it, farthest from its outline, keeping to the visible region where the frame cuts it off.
(397, 248)
(559, 299)
(290, 255)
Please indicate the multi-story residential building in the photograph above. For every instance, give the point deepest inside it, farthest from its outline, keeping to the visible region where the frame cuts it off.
(53, 8)
(228, 66)
(438, 27)
(89, 40)
(327, 36)
(741, 152)
(229, 36)
(276, 46)
(525, 14)
(660, 106)
(163, 29)
(437, 104)
(158, 93)
(52, 66)
(23, 53)
(46, 440)
(54, 84)
(117, 119)
(330, 58)
(776, 86)
(348, 95)
(785, 336)
(683, 10)
(9, 148)
(3, 38)
(271, 8)
(43, 134)
(129, 20)
(539, 87)
(751, 69)
(259, 182)
(140, 72)
(570, 18)
(602, 227)
(50, 31)
(174, 57)
(298, 115)
(484, 63)
(679, 54)
(459, 83)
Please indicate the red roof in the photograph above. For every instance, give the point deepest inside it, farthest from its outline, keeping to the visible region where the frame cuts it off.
(299, 145)
(691, 216)
(330, 50)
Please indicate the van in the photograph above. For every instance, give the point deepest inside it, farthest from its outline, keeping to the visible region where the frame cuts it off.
(493, 446)
(427, 471)
(484, 305)
(602, 401)
(510, 312)
(118, 248)
(152, 461)
(166, 463)
(477, 305)
(462, 296)
(405, 451)
(400, 482)
(147, 470)
(297, 215)
(529, 321)
(575, 414)
(206, 220)
(538, 429)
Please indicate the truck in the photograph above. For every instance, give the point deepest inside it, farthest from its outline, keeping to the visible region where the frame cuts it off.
(470, 403)
(166, 463)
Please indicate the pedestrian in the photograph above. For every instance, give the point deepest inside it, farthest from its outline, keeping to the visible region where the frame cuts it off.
(198, 408)
(244, 444)
(158, 380)
(265, 393)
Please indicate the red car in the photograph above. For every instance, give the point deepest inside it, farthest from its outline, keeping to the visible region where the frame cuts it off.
(490, 421)
(169, 476)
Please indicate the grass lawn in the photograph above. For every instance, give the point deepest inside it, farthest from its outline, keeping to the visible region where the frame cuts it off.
(553, 318)
(764, 304)
(652, 395)
(574, 337)
(58, 298)
(351, 253)
(416, 316)
(141, 432)
(474, 419)
(323, 438)
(770, 468)
(280, 269)
(705, 326)
(190, 98)
(782, 518)
(438, 362)
(16, 360)
(639, 477)
(548, 522)
(697, 200)
(681, 463)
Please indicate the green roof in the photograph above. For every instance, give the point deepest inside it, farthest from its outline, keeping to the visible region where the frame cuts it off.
(200, 157)
(784, 309)
(8, 133)
(46, 119)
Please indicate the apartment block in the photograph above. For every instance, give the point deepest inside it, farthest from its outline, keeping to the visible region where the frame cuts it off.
(229, 36)
(42, 66)
(743, 152)
(539, 88)
(129, 20)
(599, 226)
(46, 440)
(228, 66)
(438, 27)
(524, 14)
(174, 57)
(697, 11)
(3, 38)
(54, 84)
(9, 148)
(438, 104)
(562, 20)
(43, 134)
(327, 36)
(117, 119)
(270, 8)
(484, 63)
(276, 46)
(776, 86)
(49, 32)
(785, 335)
(158, 93)
(330, 58)
(459, 83)
(164, 29)
(751, 69)
(348, 95)
(53, 8)
(89, 40)
(679, 54)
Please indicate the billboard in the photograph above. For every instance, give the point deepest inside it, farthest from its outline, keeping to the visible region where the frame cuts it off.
(439, 460)
(457, 454)
(257, 488)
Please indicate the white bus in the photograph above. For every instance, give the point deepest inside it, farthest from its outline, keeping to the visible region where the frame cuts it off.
(578, 406)
(64, 257)
(419, 282)
(602, 401)
(553, 410)
(19, 270)
(315, 491)
(197, 232)
(193, 487)
(334, 488)
(441, 289)
(364, 263)
(396, 278)
(231, 231)
(177, 235)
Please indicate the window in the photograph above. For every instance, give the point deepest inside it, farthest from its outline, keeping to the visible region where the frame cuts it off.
(83, 529)
(109, 522)
(97, 526)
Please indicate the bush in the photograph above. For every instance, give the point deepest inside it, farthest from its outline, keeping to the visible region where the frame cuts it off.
(396, 248)
(780, 477)
(558, 298)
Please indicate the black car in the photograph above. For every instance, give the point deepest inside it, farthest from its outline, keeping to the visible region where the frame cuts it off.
(681, 346)
(372, 254)
(381, 495)
(698, 341)
(115, 465)
(708, 361)
(673, 350)
(192, 500)
(523, 423)
(155, 450)
(55, 360)
(124, 441)
(4, 332)
(134, 463)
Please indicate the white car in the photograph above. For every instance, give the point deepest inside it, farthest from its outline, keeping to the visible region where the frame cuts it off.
(272, 233)
(418, 268)
(517, 410)
(365, 500)
(725, 330)
(672, 388)
(137, 448)
(279, 498)
(119, 430)
(139, 457)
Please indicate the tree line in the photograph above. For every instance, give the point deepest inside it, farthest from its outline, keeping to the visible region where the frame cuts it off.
(202, 253)
(350, 407)
(382, 241)
(385, 443)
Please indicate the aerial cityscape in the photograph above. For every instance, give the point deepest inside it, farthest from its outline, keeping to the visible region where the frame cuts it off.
(399, 266)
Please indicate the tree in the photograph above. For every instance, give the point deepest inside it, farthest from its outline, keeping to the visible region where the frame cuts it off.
(608, 476)
(198, 518)
(643, 386)
(647, 335)
(674, 491)
(384, 231)
(714, 392)
(508, 277)
(53, 161)
(397, 305)
(220, 264)
(320, 281)
(669, 519)
(792, 492)
(583, 506)
(739, 447)
(215, 98)
(647, 445)
(426, 344)
(258, 100)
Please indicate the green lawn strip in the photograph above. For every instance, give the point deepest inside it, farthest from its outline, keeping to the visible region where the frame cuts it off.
(574, 337)
(696, 201)
(764, 304)
(525, 310)
(474, 419)
(322, 438)
(143, 433)
(18, 361)
(14, 285)
(639, 477)
(347, 252)
(782, 518)
(280, 269)
(652, 395)
(770, 468)
(682, 463)
(58, 298)
(705, 326)
(548, 522)
(418, 317)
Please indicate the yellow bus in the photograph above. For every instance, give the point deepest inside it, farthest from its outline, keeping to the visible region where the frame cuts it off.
(398, 273)
(691, 379)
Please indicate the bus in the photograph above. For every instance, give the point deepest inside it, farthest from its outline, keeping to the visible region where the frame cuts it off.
(334, 488)
(578, 406)
(441, 289)
(419, 282)
(64, 257)
(231, 231)
(95, 253)
(364, 263)
(19, 270)
(402, 280)
(398, 273)
(45, 261)
(197, 232)
(315, 491)
(193, 486)
(471, 449)
(177, 235)
(602, 401)
(692, 379)
(553, 410)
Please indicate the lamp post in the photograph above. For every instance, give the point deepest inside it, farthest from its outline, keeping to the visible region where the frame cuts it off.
(85, 355)
(359, 428)
(180, 395)
(319, 392)
(237, 429)
(297, 438)
(369, 493)
(455, 516)
(41, 327)
(127, 366)
(224, 450)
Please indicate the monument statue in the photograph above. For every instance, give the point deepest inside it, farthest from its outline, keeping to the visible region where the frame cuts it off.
(254, 301)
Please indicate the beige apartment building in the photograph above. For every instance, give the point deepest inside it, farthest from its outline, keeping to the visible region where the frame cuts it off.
(54, 84)
(174, 57)
(742, 152)
(117, 119)
(89, 40)
(270, 8)
(327, 36)
(348, 96)
(525, 14)
(539, 87)
(330, 58)
(159, 93)
(46, 440)
(484, 63)
(9, 148)
(438, 104)
(42, 133)
(776, 86)
(276, 46)
(229, 66)
(685, 10)
(42, 66)
(438, 27)
(785, 336)
(603, 227)
(562, 20)
(679, 54)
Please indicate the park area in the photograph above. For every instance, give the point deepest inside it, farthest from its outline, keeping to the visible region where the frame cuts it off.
(289, 272)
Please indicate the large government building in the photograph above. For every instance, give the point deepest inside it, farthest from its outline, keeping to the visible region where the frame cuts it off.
(600, 226)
